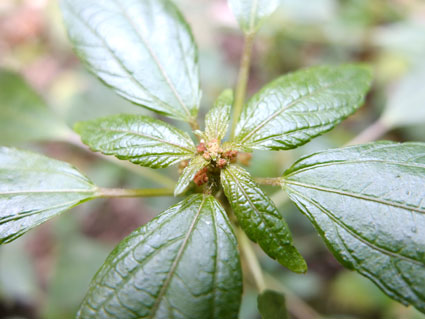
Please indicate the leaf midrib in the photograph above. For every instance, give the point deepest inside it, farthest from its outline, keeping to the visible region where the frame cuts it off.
(342, 162)
(155, 58)
(49, 191)
(281, 110)
(354, 195)
(147, 137)
(357, 236)
(120, 63)
(179, 255)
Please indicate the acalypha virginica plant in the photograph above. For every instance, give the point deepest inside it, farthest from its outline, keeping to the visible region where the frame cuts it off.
(366, 201)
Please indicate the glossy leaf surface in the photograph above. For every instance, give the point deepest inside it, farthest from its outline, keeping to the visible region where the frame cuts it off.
(183, 264)
(35, 188)
(271, 305)
(368, 203)
(137, 138)
(217, 119)
(194, 166)
(296, 107)
(260, 219)
(144, 50)
(251, 13)
(24, 115)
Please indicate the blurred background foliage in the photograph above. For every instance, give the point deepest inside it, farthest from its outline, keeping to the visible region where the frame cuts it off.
(44, 90)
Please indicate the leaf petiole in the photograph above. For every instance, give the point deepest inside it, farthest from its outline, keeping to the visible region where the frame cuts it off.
(120, 192)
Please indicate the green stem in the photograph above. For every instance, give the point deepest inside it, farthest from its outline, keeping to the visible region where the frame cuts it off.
(194, 124)
(251, 260)
(120, 192)
(273, 181)
(242, 80)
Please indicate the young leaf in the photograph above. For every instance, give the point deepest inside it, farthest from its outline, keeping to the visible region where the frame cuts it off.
(251, 13)
(24, 115)
(194, 166)
(144, 50)
(260, 219)
(296, 107)
(271, 305)
(137, 138)
(367, 202)
(34, 188)
(217, 119)
(183, 264)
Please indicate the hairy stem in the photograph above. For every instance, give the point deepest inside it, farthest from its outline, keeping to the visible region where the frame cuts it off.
(120, 192)
(273, 181)
(242, 80)
(194, 124)
(148, 173)
(371, 133)
(251, 259)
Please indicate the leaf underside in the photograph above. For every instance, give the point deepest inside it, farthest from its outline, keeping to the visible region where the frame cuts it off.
(299, 106)
(34, 188)
(183, 264)
(368, 203)
(144, 50)
(259, 218)
(137, 138)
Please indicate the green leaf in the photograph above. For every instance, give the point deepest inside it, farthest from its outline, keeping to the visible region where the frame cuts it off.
(194, 166)
(183, 264)
(24, 115)
(35, 188)
(217, 119)
(251, 13)
(260, 219)
(296, 107)
(137, 138)
(271, 305)
(367, 202)
(144, 50)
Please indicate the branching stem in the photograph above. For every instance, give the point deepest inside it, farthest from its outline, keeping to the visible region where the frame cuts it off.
(120, 192)
(242, 80)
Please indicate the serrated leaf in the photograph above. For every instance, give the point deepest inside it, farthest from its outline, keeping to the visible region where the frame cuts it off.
(137, 138)
(24, 115)
(298, 106)
(406, 104)
(251, 13)
(259, 218)
(194, 166)
(35, 188)
(183, 264)
(271, 305)
(144, 50)
(367, 203)
(217, 119)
